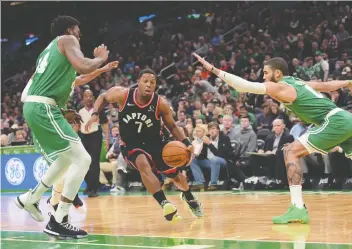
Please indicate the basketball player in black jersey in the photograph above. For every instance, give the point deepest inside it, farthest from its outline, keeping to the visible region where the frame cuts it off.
(140, 110)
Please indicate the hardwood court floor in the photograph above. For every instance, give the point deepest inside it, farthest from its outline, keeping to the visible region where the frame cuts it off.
(241, 220)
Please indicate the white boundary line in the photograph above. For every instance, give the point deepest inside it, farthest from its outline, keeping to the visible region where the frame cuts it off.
(217, 239)
(81, 243)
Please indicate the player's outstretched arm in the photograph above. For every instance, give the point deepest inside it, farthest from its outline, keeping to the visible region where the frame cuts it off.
(280, 92)
(234, 81)
(113, 95)
(329, 85)
(166, 115)
(70, 47)
(85, 78)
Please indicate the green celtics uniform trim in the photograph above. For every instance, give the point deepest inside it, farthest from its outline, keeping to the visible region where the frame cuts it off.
(43, 152)
(57, 127)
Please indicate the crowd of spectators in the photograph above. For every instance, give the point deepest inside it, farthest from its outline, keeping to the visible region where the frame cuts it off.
(225, 126)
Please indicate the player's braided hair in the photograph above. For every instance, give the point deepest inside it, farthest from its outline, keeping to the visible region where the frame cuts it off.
(60, 25)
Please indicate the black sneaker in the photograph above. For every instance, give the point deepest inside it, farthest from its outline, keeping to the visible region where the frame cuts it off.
(194, 206)
(64, 230)
(77, 202)
(93, 194)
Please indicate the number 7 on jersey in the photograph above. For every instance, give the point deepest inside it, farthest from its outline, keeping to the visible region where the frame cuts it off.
(139, 127)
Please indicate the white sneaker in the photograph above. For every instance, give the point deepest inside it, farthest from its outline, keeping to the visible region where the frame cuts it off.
(113, 188)
(240, 187)
(117, 190)
(21, 202)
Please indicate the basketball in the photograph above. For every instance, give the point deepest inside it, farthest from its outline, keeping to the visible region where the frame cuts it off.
(175, 154)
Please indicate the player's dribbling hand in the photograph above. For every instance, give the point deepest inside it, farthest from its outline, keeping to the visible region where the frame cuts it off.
(101, 52)
(110, 66)
(191, 155)
(92, 120)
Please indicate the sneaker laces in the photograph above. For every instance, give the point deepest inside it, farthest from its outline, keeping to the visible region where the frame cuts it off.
(164, 202)
(36, 204)
(70, 227)
(289, 210)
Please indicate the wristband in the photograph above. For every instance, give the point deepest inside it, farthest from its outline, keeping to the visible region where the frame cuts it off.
(95, 113)
(186, 142)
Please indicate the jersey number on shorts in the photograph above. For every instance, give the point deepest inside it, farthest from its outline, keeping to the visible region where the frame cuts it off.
(317, 94)
(140, 126)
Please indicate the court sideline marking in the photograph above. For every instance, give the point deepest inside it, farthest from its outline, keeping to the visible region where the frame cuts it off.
(110, 245)
(193, 238)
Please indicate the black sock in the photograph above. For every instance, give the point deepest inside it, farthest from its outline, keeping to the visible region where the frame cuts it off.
(188, 195)
(160, 197)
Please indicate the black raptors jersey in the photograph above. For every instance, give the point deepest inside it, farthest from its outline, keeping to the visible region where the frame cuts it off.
(140, 124)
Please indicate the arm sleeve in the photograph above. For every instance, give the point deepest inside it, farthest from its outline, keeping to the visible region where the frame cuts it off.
(102, 117)
(242, 85)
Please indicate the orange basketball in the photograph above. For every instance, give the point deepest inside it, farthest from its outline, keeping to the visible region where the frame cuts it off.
(175, 154)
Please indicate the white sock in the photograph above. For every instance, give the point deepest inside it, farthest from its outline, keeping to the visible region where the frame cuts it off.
(62, 211)
(57, 191)
(38, 192)
(296, 196)
(54, 172)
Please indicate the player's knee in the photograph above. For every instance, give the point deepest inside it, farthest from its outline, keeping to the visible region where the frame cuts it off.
(143, 164)
(295, 149)
(81, 156)
(86, 160)
(179, 178)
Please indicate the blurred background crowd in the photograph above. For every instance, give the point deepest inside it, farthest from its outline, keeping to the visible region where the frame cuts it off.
(237, 37)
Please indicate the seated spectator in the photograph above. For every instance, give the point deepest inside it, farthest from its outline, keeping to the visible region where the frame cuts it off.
(181, 119)
(218, 114)
(278, 114)
(228, 128)
(321, 68)
(209, 113)
(210, 153)
(307, 72)
(228, 110)
(274, 143)
(117, 166)
(110, 166)
(19, 138)
(115, 131)
(245, 136)
(4, 140)
(297, 68)
(265, 119)
(298, 129)
(244, 112)
(11, 137)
